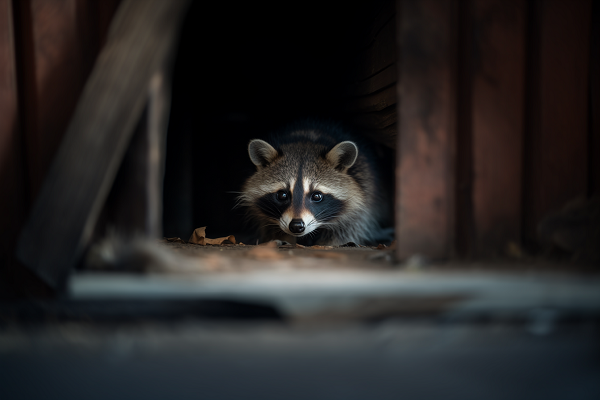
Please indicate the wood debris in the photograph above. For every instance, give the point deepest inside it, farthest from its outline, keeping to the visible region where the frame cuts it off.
(199, 237)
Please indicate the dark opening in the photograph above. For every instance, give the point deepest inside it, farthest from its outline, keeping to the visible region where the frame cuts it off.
(241, 71)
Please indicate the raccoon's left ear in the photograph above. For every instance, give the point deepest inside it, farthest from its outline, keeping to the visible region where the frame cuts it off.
(343, 155)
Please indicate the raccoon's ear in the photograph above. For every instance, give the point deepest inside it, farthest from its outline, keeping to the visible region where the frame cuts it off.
(261, 153)
(343, 155)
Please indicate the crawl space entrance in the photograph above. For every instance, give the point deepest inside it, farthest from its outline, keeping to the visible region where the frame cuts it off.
(243, 70)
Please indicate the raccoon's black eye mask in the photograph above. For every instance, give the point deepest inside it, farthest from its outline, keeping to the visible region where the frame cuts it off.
(274, 204)
(323, 207)
(282, 196)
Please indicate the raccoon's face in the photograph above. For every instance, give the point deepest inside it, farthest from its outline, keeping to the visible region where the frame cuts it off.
(301, 188)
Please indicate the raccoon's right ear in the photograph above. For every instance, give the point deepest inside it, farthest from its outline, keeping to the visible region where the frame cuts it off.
(261, 153)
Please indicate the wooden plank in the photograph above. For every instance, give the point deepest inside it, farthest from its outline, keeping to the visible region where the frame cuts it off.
(380, 54)
(375, 101)
(13, 200)
(497, 105)
(377, 82)
(594, 145)
(378, 119)
(53, 76)
(384, 14)
(60, 41)
(557, 158)
(63, 218)
(106, 10)
(386, 136)
(426, 137)
(134, 205)
(94, 19)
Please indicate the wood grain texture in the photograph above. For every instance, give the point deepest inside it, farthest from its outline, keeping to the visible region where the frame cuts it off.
(372, 96)
(386, 136)
(375, 101)
(381, 80)
(426, 136)
(134, 205)
(13, 200)
(497, 107)
(53, 77)
(375, 17)
(82, 173)
(594, 145)
(557, 155)
(377, 120)
(380, 54)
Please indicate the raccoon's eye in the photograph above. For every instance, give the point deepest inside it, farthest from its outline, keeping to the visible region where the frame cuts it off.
(282, 196)
(316, 197)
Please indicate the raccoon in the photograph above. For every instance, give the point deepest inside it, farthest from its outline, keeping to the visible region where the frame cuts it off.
(316, 185)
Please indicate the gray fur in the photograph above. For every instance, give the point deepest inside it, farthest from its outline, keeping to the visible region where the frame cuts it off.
(341, 170)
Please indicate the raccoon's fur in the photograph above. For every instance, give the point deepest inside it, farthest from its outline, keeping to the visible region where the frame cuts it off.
(315, 184)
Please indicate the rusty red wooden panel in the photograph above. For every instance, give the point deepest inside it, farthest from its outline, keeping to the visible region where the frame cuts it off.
(60, 40)
(52, 78)
(594, 181)
(497, 112)
(427, 118)
(12, 200)
(558, 159)
(95, 17)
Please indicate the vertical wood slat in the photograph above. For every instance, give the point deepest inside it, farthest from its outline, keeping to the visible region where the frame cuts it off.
(497, 122)
(85, 166)
(59, 42)
(594, 145)
(557, 157)
(425, 222)
(53, 77)
(12, 200)
(38, 40)
(134, 205)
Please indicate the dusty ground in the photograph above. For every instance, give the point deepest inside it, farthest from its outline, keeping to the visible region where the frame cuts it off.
(229, 257)
(352, 257)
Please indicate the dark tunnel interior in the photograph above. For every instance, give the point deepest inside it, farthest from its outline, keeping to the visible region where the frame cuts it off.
(240, 72)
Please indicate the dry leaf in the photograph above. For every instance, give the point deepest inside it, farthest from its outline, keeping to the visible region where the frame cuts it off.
(199, 237)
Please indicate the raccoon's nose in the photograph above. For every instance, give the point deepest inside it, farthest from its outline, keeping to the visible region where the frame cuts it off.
(297, 226)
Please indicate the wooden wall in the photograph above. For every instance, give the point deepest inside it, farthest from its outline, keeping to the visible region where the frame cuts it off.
(498, 122)
(493, 107)
(47, 50)
(372, 93)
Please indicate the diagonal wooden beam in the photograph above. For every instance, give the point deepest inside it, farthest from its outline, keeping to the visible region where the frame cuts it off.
(140, 41)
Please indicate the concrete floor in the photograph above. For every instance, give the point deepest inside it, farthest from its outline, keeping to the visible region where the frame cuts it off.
(386, 360)
(236, 322)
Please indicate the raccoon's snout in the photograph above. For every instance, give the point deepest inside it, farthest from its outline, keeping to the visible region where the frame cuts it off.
(297, 226)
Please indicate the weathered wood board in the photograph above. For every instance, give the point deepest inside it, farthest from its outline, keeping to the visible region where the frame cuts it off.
(62, 220)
